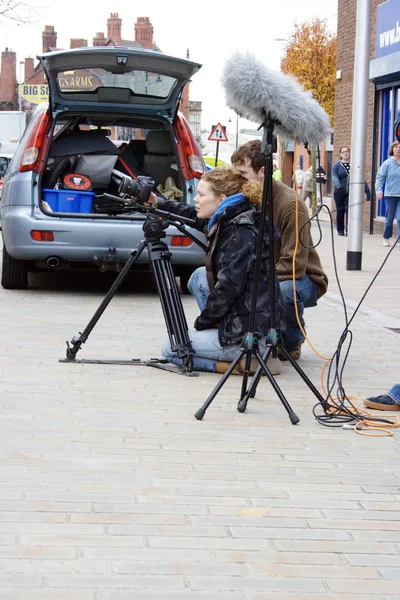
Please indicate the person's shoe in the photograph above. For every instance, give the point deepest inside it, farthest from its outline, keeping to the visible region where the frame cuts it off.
(273, 364)
(383, 402)
(340, 232)
(386, 242)
(222, 367)
(295, 352)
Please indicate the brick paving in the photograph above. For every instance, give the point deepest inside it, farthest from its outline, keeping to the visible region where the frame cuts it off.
(111, 490)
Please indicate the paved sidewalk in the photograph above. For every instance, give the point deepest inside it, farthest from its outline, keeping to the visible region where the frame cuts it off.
(111, 490)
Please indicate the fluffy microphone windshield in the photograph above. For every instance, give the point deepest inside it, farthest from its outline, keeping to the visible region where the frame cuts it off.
(252, 90)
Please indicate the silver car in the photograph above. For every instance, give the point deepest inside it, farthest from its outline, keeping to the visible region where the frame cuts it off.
(111, 110)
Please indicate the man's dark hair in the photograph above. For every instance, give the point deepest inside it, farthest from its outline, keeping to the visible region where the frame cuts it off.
(249, 151)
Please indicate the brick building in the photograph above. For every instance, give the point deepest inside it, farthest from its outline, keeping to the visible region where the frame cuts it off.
(33, 75)
(383, 92)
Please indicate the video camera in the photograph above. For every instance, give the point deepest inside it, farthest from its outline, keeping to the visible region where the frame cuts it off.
(139, 189)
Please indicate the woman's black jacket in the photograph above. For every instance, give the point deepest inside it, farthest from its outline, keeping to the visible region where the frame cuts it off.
(232, 253)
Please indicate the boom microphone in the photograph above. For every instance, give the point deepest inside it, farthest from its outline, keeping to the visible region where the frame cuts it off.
(254, 91)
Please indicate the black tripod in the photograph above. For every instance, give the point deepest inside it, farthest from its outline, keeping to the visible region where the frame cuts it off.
(250, 343)
(157, 221)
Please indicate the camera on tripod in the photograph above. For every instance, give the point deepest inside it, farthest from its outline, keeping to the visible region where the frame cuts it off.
(139, 189)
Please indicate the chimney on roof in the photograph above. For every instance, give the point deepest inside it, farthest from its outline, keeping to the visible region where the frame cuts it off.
(29, 68)
(99, 39)
(49, 38)
(114, 26)
(144, 32)
(8, 76)
(78, 43)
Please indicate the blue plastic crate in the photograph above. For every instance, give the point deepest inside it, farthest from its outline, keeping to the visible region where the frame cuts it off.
(70, 201)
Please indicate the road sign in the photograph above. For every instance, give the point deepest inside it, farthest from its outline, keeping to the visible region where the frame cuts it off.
(218, 134)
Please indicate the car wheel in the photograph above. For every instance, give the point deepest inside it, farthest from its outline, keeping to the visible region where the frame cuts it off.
(15, 272)
(184, 276)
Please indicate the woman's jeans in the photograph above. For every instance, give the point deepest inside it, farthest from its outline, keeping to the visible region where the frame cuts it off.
(342, 207)
(306, 296)
(394, 393)
(205, 343)
(392, 213)
(208, 350)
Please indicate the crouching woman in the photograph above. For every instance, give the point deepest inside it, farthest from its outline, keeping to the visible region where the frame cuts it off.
(227, 210)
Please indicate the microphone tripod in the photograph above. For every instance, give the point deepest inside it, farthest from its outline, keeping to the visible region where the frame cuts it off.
(250, 342)
(174, 316)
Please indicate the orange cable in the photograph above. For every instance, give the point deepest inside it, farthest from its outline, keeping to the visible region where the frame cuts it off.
(365, 423)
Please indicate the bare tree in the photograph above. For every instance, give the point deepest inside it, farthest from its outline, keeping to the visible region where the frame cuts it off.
(17, 11)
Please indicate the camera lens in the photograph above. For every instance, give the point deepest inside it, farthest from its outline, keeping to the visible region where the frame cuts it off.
(128, 186)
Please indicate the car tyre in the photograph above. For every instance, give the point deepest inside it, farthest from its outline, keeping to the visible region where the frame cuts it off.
(184, 276)
(14, 274)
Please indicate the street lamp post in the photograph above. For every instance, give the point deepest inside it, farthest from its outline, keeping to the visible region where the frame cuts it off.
(282, 48)
(237, 130)
(21, 62)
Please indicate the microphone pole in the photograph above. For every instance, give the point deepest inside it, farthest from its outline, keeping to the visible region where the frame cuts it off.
(250, 342)
(273, 340)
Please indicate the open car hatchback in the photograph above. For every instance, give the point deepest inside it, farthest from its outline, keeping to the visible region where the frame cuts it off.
(111, 110)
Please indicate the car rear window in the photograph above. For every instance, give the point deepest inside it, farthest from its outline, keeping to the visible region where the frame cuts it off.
(140, 83)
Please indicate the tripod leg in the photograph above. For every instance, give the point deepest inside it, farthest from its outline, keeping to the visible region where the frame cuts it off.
(256, 379)
(171, 303)
(304, 377)
(81, 339)
(202, 411)
(292, 415)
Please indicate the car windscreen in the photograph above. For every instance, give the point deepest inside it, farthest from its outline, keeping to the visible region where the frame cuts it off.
(139, 83)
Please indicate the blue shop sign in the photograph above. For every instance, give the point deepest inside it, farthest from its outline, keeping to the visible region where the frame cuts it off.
(387, 28)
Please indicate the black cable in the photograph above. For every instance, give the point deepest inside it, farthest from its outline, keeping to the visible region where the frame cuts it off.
(336, 412)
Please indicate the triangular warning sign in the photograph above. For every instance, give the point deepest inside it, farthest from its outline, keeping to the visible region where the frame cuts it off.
(218, 134)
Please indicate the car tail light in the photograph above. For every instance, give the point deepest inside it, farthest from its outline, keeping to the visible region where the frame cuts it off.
(42, 236)
(30, 155)
(180, 240)
(190, 149)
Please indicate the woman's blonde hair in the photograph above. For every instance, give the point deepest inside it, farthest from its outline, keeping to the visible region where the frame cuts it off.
(229, 181)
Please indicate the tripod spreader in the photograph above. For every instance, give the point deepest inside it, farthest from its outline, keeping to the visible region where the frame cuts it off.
(160, 259)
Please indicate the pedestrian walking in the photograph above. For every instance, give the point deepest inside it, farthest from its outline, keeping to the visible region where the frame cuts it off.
(308, 185)
(387, 184)
(341, 180)
(341, 188)
(298, 179)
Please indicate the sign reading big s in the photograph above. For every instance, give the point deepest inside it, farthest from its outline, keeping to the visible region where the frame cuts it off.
(68, 81)
(36, 94)
(387, 28)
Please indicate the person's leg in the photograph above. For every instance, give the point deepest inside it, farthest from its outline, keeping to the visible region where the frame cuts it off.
(208, 350)
(306, 296)
(391, 205)
(394, 393)
(339, 202)
(307, 196)
(198, 287)
(398, 219)
(346, 212)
